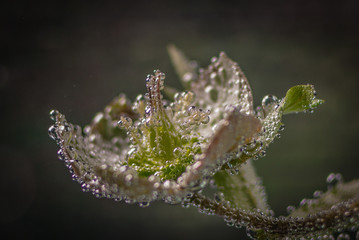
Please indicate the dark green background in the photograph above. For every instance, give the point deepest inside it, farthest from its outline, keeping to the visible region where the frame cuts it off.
(77, 56)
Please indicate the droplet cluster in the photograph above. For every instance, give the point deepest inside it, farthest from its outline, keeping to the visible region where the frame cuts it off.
(101, 171)
(99, 157)
(341, 217)
(163, 142)
(153, 149)
(225, 88)
(270, 116)
(336, 216)
(160, 150)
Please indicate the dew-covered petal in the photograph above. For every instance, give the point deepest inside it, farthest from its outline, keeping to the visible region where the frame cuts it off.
(103, 129)
(220, 88)
(103, 157)
(97, 155)
(232, 133)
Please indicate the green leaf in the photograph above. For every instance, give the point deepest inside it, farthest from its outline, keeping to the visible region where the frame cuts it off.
(300, 98)
(244, 189)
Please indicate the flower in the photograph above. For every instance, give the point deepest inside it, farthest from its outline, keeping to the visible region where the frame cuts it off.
(152, 149)
(161, 150)
(158, 149)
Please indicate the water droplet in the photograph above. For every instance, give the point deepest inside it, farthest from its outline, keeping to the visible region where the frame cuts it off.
(184, 138)
(192, 109)
(268, 100)
(333, 179)
(303, 202)
(177, 151)
(128, 179)
(185, 204)
(61, 155)
(125, 123)
(205, 120)
(262, 153)
(53, 114)
(251, 234)
(53, 133)
(230, 224)
(219, 197)
(67, 127)
(144, 204)
(317, 194)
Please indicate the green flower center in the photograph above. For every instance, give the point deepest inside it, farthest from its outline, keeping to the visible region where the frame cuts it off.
(163, 141)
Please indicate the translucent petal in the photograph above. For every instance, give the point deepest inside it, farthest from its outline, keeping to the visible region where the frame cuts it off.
(221, 88)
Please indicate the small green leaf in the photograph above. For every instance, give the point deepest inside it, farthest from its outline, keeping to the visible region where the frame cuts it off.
(300, 98)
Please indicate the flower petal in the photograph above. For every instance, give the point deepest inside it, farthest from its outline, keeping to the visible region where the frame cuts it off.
(220, 88)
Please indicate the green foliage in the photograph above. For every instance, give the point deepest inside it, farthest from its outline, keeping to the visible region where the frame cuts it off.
(300, 98)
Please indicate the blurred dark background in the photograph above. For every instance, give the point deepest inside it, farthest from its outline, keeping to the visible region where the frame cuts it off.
(76, 56)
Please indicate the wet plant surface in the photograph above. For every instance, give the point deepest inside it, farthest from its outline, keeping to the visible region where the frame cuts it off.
(172, 151)
(76, 57)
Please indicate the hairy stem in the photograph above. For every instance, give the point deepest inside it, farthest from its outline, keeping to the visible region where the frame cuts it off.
(340, 216)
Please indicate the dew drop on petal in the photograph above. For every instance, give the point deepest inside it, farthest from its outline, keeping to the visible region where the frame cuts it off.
(205, 120)
(53, 114)
(61, 155)
(52, 132)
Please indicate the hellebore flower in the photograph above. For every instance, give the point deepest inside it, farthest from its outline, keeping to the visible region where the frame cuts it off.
(153, 149)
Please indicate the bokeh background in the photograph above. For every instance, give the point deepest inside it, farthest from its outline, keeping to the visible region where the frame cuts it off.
(76, 56)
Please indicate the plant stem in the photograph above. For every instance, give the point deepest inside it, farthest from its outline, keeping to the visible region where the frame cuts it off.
(343, 215)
